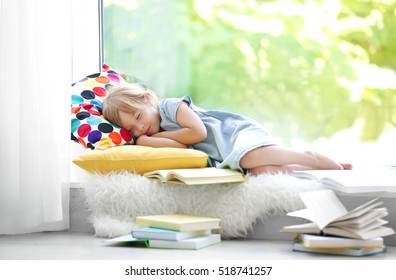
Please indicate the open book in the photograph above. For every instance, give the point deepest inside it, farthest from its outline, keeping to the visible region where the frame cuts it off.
(196, 176)
(353, 181)
(328, 216)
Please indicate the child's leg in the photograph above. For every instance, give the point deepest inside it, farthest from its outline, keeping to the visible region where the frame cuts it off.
(276, 169)
(285, 159)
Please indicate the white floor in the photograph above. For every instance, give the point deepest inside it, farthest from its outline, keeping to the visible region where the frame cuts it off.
(65, 255)
(80, 246)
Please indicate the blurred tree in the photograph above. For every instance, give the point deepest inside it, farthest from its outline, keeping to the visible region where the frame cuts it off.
(260, 60)
(305, 69)
(371, 25)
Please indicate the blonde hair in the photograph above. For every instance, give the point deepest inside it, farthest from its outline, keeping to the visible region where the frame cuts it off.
(127, 98)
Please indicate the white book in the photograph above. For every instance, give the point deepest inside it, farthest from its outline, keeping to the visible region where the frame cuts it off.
(353, 181)
(353, 252)
(166, 234)
(190, 243)
(321, 241)
(194, 243)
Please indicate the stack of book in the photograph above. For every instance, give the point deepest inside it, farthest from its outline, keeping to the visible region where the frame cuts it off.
(334, 230)
(335, 245)
(173, 231)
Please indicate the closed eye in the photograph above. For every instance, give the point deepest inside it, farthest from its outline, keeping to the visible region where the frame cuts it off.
(137, 115)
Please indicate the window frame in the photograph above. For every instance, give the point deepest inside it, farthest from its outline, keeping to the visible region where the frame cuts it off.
(87, 55)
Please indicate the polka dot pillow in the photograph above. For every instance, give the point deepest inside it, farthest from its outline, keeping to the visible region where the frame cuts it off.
(88, 127)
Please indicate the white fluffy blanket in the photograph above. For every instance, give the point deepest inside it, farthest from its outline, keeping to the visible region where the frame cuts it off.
(116, 199)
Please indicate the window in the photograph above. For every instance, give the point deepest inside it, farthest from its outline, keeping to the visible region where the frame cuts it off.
(315, 73)
(86, 55)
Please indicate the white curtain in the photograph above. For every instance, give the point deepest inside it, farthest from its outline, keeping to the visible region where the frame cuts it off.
(35, 78)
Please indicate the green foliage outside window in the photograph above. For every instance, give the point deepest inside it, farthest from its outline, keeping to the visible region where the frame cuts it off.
(304, 69)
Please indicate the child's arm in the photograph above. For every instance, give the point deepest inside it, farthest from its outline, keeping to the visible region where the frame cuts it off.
(193, 130)
(158, 142)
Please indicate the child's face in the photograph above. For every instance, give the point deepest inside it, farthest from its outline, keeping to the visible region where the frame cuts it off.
(145, 121)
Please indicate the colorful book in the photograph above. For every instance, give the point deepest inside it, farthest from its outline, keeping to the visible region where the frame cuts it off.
(194, 243)
(196, 176)
(322, 241)
(166, 234)
(178, 222)
(355, 252)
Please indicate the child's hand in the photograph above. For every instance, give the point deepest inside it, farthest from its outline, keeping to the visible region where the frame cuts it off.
(142, 140)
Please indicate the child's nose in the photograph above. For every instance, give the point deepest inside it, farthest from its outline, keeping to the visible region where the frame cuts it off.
(139, 130)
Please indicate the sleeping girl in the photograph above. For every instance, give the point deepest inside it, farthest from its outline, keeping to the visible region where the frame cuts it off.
(230, 140)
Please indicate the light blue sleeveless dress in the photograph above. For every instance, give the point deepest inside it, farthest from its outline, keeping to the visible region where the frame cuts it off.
(230, 136)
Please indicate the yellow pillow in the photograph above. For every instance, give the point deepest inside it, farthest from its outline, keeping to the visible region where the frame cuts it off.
(139, 159)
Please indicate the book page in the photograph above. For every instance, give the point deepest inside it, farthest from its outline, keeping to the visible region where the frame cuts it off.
(360, 210)
(306, 228)
(363, 220)
(157, 174)
(304, 213)
(324, 205)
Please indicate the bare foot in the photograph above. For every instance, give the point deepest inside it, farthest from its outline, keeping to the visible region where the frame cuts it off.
(346, 166)
(323, 162)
